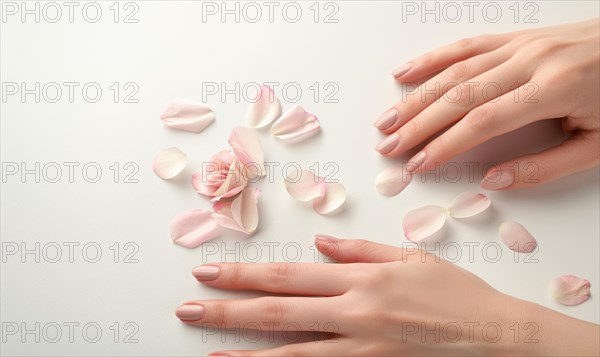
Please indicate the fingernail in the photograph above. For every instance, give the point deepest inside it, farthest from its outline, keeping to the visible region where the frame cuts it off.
(497, 180)
(325, 239)
(206, 272)
(416, 161)
(190, 312)
(402, 70)
(388, 144)
(387, 119)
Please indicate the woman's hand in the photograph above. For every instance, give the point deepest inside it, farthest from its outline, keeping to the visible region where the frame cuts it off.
(493, 84)
(384, 301)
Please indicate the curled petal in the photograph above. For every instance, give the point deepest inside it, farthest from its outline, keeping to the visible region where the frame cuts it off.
(234, 183)
(468, 204)
(570, 289)
(169, 162)
(248, 149)
(295, 125)
(264, 109)
(334, 198)
(304, 186)
(241, 214)
(516, 237)
(392, 180)
(192, 228)
(186, 115)
(423, 222)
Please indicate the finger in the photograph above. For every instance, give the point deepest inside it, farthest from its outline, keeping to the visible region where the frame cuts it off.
(268, 313)
(456, 103)
(357, 250)
(332, 347)
(414, 102)
(445, 56)
(578, 153)
(288, 278)
(494, 118)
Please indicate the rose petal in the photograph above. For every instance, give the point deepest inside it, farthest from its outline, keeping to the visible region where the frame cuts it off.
(192, 228)
(186, 115)
(304, 186)
(468, 204)
(570, 289)
(264, 109)
(516, 237)
(248, 149)
(241, 214)
(392, 180)
(423, 222)
(334, 198)
(295, 125)
(234, 183)
(169, 162)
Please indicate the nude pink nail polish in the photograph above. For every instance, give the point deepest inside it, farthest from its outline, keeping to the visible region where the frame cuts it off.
(402, 70)
(190, 312)
(497, 180)
(322, 238)
(388, 144)
(387, 119)
(206, 272)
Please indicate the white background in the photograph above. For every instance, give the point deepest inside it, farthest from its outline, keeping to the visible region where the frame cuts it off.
(170, 52)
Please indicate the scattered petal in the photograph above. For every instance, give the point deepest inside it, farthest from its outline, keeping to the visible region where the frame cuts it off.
(423, 222)
(192, 228)
(334, 198)
(570, 289)
(169, 162)
(304, 186)
(186, 115)
(234, 183)
(516, 237)
(248, 149)
(393, 180)
(241, 214)
(295, 125)
(264, 109)
(468, 204)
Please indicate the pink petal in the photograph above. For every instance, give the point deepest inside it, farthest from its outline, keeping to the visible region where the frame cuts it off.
(392, 180)
(570, 289)
(241, 214)
(169, 162)
(516, 237)
(234, 183)
(192, 228)
(264, 109)
(334, 198)
(248, 149)
(224, 217)
(295, 125)
(304, 186)
(468, 204)
(186, 115)
(423, 222)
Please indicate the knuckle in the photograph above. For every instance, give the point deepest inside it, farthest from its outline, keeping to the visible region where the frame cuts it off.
(271, 310)
(235, 274)
(481, 117)
(461, 95)
(280, 273)
(464, 42)
(458, 72)
(221, 309)
(426, 59)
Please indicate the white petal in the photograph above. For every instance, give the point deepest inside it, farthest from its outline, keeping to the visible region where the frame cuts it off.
(192, 228)
(169, 162)
(295, 125)
(570, 289)
(468, 204)
(244, 209)
(264, 109)
(423, 222)
(248, 149)
(392, 180)
(516, 237)
(186, 115)
(334, 198)
(304, 186)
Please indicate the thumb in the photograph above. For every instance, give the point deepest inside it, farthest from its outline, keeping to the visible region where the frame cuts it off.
(578, 153)
(357, 250)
